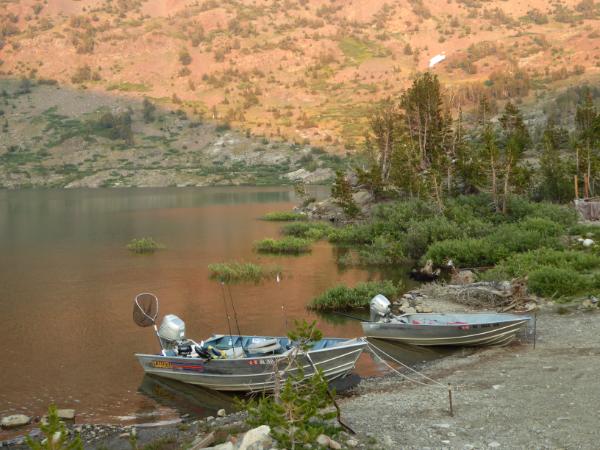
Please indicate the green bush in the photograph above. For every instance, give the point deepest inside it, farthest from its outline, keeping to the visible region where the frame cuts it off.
(342, 297)
(284, 216)
(466, 252)
(550, 281)
(517, 238)
(519, 265)
(307, 230)
(143, 245)
(352, 234)
(422, 233)
(289, 245)
(381, 251)
(56, 435)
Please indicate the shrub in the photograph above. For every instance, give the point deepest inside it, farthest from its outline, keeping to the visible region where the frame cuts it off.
(143, 245)
(551, 281)
(515, 238)
(352, 234)
(56, 435)
(422, 233)
(381, 251)
(232, 272)
(289, 245)
(284, 216)
(466, 252)
(301, 411)
(342, 297)
(306, 230)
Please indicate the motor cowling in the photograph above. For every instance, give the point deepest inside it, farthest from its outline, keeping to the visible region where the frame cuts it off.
(379, 307)
(172, 329)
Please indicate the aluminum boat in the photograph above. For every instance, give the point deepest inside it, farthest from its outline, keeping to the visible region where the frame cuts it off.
(429, 329)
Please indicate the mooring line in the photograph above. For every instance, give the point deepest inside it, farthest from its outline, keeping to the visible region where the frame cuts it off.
(373, 347)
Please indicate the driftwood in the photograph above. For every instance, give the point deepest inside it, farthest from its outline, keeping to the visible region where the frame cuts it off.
(498, 295)
(204, 442)
(588, 209)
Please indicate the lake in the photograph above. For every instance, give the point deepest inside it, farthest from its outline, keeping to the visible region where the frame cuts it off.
(67, 283)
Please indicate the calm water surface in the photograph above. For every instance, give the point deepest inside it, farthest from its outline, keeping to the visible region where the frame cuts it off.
(67, 284)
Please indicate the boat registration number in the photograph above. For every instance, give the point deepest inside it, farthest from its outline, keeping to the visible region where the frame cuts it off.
(162, 364)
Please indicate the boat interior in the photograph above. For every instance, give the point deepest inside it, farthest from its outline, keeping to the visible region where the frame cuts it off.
(456, 319)
(235, 346)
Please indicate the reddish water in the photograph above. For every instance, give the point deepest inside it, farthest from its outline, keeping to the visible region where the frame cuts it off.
(67, 284)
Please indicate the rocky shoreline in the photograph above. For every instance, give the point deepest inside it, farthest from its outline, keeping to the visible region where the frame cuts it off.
(509, 397)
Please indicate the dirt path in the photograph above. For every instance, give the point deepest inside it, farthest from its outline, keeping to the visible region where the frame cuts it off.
(513, 397)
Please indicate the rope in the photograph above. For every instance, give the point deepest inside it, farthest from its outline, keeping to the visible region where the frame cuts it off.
(373, 347)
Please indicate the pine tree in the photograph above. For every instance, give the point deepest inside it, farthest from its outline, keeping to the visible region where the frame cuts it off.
(341, 191)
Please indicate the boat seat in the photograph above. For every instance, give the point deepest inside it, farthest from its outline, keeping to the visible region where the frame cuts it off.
(264, 347)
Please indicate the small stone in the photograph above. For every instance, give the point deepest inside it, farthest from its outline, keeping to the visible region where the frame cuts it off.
(410, 311)
(352, 443)
(494, 444)
(451, 434)
(16, 420)
(210, 418)
(66, 414)
(323, 440)
(334, 445)
(225, 446)
(256, 435)
(442, 425)
(124, 435)
(388, 442)
(221, 413)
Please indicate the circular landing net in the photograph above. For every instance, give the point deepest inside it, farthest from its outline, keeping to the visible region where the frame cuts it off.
(145, 309)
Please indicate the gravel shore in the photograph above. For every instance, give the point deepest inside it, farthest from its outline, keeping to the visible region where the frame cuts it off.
(510, 397)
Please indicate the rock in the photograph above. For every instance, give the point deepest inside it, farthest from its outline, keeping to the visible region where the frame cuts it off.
(16, 420)
(323, 440)
(224, 446)
(256, 435)
(388, 442)
(66, 414)
(352, 443)
(334, 445)
(410, 310)
(463, 277)
(221, 413)
(494, 444)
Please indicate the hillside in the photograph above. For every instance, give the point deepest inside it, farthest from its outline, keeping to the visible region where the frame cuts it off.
(58, 137)
(305, 71)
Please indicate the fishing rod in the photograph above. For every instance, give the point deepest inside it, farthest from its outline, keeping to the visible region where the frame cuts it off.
(227, 314)
(278, 279)
(349, 316)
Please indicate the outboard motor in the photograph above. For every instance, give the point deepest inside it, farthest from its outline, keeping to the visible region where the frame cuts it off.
(171, 332)
(379, 306)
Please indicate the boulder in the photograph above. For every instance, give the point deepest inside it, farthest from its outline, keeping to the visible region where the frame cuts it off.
(66, 414)
(16, 420)
(463, 277)
(410, 310)
(334, 445)
(221, 413)
(259, 435)
(323, 440)
(352, 443)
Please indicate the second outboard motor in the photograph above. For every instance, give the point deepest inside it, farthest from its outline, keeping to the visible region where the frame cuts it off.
(379, 306)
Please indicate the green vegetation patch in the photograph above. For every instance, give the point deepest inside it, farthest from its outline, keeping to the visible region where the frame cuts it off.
(284, 216)
(235, 272)
(287, 245)
(359, 51)
(143, 245)
(344, 298)
(307, 230)
(126, 86)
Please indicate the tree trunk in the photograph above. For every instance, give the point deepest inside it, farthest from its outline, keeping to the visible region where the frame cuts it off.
(506, 184)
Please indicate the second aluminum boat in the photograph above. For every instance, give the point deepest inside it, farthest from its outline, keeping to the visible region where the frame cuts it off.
(461, 329)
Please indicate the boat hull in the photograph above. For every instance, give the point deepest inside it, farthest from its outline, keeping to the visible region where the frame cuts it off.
(253, 373)
(464, 334)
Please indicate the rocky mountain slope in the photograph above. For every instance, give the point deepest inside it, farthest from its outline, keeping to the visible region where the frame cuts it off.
(303, 71)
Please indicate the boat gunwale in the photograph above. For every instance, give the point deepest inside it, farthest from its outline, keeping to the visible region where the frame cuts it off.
(360, 342)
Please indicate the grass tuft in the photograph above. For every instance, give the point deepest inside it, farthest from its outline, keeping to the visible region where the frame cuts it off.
(284, 216)
(237, 272)
(144, 245)
(287, 245)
